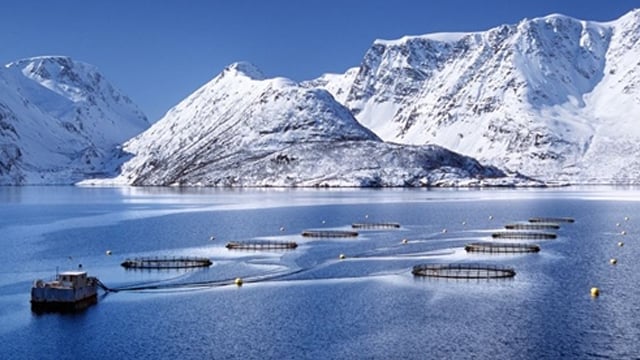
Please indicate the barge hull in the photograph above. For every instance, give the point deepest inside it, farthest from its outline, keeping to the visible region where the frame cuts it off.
(41, 307)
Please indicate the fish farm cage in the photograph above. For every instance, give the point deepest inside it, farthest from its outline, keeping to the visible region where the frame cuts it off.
(532, 226)
(540, 219)
(261, 245)
(329, 233)
(166, 263)
(381, 225)
(523, 235)
(463, 271)
(504, 248)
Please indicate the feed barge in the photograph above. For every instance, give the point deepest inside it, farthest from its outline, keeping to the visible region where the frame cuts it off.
(70, 291)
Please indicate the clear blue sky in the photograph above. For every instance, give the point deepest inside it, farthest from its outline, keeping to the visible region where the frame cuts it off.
(160, 51)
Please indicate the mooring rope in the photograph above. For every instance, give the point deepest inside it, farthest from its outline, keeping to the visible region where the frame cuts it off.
(197, 284)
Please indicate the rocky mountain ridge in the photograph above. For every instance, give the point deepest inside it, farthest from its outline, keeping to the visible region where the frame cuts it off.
(243, 130)
(61, 121)
(552, 97)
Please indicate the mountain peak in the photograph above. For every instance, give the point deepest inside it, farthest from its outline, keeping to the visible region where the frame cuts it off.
(632, 16)
(241, 132)
(245, 68)
(62, 60)
(64, 121)
(553, 16)
(50, 67)
(436, 37)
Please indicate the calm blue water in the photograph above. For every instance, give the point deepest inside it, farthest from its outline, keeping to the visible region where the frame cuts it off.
(307, 303)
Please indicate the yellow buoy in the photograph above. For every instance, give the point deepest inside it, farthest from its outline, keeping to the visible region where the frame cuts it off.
(342, 257)
(108, 252)
(239, 281)
(613, 261)
(444, 231)
(626, 218)
(621, 244)
(490, 217)
(623, 232)
(405, 241)
(617, 224)
(595, 291)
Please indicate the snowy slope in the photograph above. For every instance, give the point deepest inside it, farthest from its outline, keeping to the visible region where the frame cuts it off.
(61, 121)
(336, 84)
(551, 97)
(614, 105)
(241, 129)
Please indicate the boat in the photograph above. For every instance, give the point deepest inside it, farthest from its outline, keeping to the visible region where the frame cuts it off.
(70, 291)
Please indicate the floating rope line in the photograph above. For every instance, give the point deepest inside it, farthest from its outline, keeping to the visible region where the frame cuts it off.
(198, 284)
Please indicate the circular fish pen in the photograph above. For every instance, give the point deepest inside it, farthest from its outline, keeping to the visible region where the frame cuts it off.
(532, 226)
(523, 235)
(329, 233)
(166, 263)
(504, 248)
(381, 225)
(540, 219)
(463, 271)
(261, 245)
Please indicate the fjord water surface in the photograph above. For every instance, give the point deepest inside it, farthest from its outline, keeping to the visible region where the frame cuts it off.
(307, 303)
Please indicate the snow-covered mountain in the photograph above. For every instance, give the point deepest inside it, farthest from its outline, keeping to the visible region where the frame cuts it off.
(60, 121)
(242, 129)
(554, 97)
